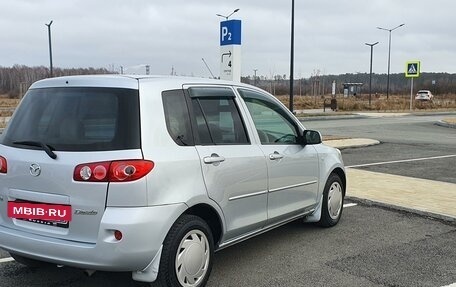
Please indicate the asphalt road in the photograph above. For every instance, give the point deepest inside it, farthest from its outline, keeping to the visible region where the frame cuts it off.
(402, 138)
(370, 247)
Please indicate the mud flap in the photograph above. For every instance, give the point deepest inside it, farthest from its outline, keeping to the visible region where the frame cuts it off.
(316, 215)
(150, 273)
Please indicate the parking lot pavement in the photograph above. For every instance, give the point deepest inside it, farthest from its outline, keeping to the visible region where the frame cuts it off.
(428, 197)
(370, 247)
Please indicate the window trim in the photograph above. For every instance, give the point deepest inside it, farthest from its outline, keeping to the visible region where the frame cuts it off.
(191, 110)
(192, 96)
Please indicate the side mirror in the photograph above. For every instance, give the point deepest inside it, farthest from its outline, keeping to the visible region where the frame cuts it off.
(311, 137)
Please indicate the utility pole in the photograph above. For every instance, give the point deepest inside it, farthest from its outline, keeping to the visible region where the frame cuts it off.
(389, 55)
(370, 75)
(292, 55)
(50, 48)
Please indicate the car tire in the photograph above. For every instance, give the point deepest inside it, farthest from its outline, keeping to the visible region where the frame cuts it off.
(187, 255)
(32, 263)
(333, 201)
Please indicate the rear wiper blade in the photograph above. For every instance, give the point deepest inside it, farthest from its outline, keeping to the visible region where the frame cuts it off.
(181, 139)
(47, 148)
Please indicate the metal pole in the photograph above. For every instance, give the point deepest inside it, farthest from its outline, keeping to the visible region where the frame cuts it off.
(50, 48)
(207, 66)
(389, 64)
(292, 55)
(255, 77)
(389, 55)
(370, 75)
(411, 95)
(229, 15)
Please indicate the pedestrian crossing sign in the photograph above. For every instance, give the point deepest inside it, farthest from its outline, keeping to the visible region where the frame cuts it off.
(412, 69)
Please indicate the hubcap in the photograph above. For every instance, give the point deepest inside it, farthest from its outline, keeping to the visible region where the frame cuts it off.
(335, 200)
(192, 258)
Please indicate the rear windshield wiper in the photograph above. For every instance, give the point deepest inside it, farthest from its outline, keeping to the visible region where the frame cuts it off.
(181, 139)
(47, 148)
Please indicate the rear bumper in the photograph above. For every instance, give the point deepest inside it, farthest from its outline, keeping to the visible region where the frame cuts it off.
(143, 229)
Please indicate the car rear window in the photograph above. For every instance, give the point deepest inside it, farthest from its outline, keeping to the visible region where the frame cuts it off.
(77, 119)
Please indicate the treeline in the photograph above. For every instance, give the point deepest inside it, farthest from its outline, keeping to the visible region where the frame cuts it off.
(15, 80)
(438, 83)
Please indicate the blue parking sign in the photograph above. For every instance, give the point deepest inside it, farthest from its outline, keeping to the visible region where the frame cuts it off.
(230, 32)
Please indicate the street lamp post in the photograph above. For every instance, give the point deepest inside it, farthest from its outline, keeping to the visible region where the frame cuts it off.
(255, 77)
(370, 75)
(389, 55)
(292, 55)
(50, 48)
(229, 15)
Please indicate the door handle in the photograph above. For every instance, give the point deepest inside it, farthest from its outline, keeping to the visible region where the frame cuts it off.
(275, 156)
(214, 159)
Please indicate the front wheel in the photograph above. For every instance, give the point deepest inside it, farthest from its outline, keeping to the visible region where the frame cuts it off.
(187, 254)
(333, 200)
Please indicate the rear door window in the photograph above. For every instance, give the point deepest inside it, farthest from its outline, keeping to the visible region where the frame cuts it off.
(77, 119)
(216, 117)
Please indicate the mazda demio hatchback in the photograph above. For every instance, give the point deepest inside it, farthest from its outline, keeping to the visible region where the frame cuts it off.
(152, 175)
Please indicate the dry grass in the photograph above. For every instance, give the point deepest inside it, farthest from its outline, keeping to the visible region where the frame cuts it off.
(450, 121)
(378, 103)
(9, 103)
(7, 107)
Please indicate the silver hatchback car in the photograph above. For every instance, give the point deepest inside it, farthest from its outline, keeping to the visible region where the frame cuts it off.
(152, 175)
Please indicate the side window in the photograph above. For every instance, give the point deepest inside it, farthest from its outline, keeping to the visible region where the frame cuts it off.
(273, 124)
(177, 117)
(217, 117)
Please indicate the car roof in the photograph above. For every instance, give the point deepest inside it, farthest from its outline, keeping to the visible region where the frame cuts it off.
(127, 81)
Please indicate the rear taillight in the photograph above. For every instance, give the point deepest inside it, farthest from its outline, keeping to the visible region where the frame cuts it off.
(112, 171)
(3, 165)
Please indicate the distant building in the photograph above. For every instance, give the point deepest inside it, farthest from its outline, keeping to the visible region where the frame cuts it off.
(352, 89)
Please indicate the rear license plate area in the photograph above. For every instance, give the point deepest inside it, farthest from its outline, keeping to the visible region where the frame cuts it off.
(56, 215)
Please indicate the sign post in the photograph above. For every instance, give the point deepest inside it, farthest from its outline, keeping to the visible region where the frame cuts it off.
(230, 50)
(412, 70)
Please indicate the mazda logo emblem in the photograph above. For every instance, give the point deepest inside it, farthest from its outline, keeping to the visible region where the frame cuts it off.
(35, 169)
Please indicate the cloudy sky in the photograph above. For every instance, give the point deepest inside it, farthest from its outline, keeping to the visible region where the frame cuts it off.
(329, 35)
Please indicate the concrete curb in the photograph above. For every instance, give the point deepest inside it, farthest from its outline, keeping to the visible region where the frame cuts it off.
(372, 114)
(441, 217)
(351, 143)
(324, 118)
(446, 113)
(445, 124)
